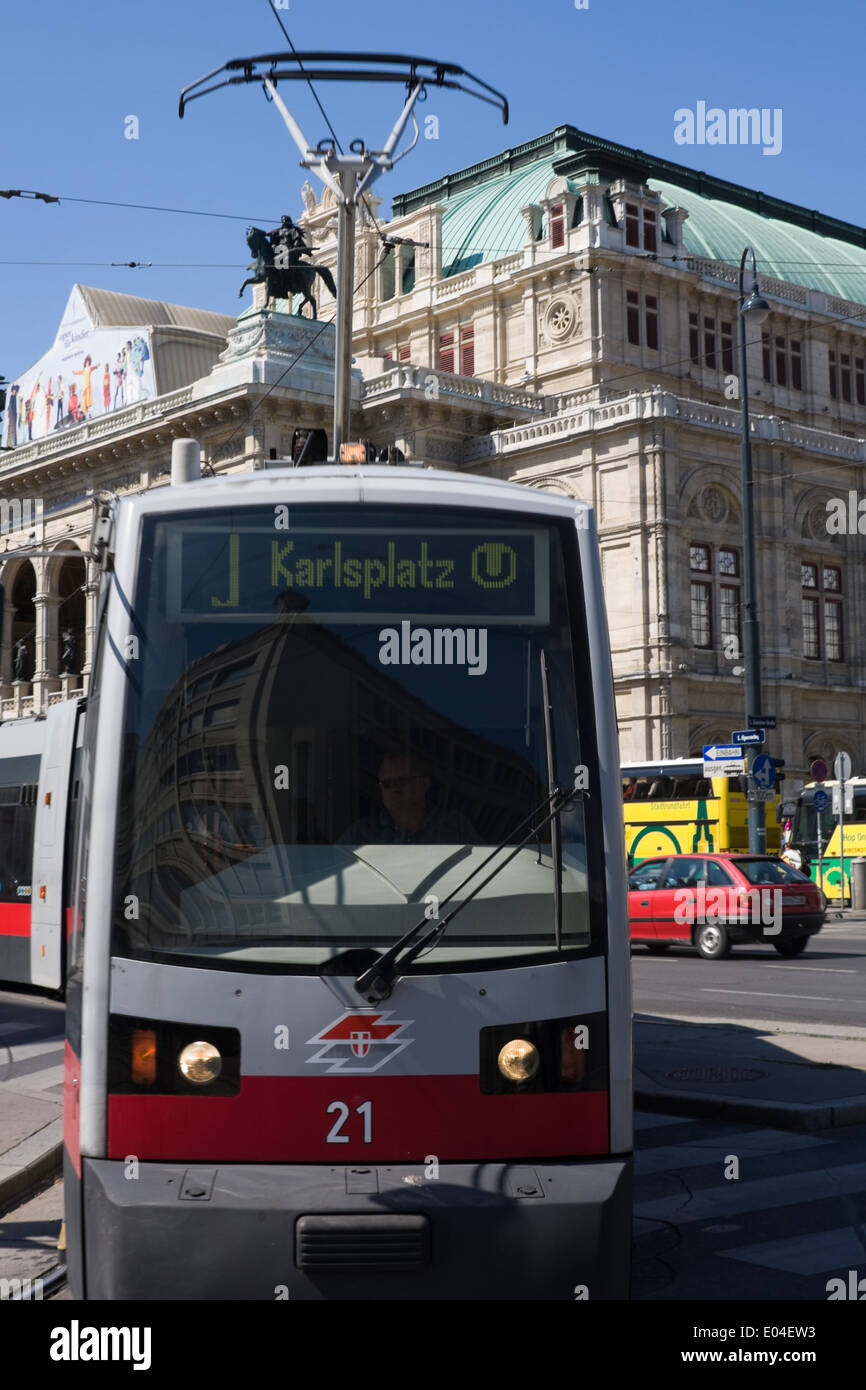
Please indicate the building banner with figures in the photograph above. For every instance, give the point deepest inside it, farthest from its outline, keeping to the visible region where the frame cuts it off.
(90, 371)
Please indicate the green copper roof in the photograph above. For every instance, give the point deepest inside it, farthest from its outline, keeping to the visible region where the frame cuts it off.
(719, 230)
(482, 221)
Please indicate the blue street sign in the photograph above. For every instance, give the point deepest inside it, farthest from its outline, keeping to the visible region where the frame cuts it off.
(820, 801)
(721, 752)
(749, 736)
(762, 721)
(763, 771)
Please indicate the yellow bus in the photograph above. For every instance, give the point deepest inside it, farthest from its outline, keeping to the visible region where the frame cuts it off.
(802, 848)
(669, 807)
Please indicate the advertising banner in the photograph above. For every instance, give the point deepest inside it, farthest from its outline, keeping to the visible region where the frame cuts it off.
(87, 373)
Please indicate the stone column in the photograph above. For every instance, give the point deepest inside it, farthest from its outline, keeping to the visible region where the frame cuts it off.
(46, 663)
(91, 595)
(6, 647)
(45, 653)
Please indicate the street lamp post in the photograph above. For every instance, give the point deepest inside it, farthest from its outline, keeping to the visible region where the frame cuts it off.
(754, 310)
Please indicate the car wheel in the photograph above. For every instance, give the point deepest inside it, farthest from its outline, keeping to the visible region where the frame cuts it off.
(658, 946)
(793, 946)
(712, 941)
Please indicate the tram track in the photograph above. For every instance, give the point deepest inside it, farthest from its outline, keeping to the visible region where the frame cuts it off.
(43, 1286)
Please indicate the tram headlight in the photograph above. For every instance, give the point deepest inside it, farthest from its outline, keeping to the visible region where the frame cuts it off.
(200, 1063)
(519, 1060)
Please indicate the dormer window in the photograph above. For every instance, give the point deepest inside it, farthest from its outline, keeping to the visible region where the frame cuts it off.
(557, 225)
(634, 216)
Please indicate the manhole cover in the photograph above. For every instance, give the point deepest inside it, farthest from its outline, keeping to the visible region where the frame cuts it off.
(716, 1074)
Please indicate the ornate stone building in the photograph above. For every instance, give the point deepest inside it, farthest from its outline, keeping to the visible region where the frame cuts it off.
(563, 314)
(606, 279)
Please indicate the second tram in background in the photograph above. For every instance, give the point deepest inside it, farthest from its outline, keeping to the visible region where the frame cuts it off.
(38, 799)
(349, 968)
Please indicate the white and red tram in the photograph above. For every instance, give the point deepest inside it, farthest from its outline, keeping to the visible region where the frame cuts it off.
(349, 1007)
(38, 795)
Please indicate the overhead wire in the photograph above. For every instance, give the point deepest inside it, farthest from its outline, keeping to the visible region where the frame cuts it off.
(472, 249)
(334, 135)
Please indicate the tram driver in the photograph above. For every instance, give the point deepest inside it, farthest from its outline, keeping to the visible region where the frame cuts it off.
(406, 817)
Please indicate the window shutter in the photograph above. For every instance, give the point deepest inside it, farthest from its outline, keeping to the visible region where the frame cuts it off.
(632, 299)
(727, 331)
(651, 315)
(467, 351)
(446, 352)
(557, 225)
(632, 225)
(694, 346)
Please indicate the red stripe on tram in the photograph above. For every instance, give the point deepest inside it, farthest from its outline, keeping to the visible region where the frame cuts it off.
(14, 919)
(287, 1119)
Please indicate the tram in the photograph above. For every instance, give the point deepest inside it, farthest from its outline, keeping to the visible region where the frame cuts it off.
(38, 797)
(348, 992)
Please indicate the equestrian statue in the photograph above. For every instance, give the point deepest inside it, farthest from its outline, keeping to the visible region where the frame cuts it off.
(277, 264)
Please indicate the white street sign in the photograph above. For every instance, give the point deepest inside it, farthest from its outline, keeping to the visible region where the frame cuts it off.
(849, 799)
(723, 760)
(761, 793)
(729, 769)
(842, 766)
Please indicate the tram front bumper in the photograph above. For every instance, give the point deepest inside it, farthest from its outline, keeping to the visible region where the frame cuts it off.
(552, 1230)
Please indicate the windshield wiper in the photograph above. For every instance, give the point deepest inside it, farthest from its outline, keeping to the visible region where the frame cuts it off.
(376, 983)
(556, 828)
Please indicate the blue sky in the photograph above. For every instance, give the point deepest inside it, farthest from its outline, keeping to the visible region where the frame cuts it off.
(618, 69)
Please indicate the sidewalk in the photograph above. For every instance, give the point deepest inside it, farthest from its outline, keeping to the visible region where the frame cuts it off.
(784, 1076)
(31, 1109)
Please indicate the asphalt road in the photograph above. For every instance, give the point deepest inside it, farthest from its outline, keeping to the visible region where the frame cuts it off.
(826, 984)
(26, 1016)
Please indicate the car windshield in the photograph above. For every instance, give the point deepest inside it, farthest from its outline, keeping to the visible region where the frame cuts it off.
(769, 871)
(645, 875)
(329, 727)
(805, 830)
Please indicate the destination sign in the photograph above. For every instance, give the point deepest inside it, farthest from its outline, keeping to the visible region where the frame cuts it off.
(357, 575)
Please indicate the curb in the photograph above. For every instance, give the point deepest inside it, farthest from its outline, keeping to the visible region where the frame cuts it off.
(773, 1114)
(20, 1182)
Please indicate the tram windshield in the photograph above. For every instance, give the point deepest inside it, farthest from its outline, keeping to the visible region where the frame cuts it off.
(334, 717)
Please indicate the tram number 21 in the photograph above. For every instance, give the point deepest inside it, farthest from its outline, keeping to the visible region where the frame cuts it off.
(341, 1110)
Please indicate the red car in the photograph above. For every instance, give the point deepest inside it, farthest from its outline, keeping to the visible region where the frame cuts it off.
(712, 901)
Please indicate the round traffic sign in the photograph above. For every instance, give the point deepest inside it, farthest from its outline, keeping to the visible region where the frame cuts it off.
(820, 801)
(819, 770)
(763, 770)
(842, 766)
